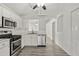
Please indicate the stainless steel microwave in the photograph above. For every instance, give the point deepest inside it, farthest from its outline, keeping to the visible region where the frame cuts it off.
(7, 23)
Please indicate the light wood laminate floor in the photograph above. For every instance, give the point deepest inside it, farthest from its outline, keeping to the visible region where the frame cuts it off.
(49, 50)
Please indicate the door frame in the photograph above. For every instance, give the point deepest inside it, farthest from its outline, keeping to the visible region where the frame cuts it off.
(53, 30)
(72, 30)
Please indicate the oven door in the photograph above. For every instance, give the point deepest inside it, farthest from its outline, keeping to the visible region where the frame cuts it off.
(15, 45)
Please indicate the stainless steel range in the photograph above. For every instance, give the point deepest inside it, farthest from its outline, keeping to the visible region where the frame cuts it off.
(15, 42)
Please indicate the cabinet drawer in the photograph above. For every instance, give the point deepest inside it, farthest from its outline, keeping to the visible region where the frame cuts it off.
(4, 44)
(4, 40)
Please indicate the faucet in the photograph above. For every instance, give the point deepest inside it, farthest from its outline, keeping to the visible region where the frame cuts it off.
(32, 31)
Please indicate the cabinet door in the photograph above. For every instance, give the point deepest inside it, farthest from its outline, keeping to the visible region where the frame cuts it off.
(75, 32)
(29, 40)
(34, 40)
(26, 40)
(4, 47)
(43, 40)
(5, 51)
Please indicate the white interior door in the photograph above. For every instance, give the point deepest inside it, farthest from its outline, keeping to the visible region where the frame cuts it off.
(75, 32)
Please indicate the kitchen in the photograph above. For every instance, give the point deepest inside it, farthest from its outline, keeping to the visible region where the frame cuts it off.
(36, 29)
(14, 35)
(41, 29)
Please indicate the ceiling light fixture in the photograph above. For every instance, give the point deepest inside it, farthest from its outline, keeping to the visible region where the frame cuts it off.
(39, 5)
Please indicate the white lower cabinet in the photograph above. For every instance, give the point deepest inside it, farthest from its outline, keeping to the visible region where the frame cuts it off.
(34, 40)
(4, 47)
(29, 40)
(4, 51)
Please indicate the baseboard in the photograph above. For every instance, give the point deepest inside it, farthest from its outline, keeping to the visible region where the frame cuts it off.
(41, 46)
(35, 46)
(63, 49)
(29, 46)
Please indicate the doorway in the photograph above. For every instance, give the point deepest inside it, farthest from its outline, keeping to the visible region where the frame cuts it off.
(53, 31)
(75, 31)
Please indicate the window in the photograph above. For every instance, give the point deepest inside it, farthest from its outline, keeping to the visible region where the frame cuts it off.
(34, 25)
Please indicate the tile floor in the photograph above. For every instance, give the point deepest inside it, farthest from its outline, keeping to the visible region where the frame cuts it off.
(49, 50)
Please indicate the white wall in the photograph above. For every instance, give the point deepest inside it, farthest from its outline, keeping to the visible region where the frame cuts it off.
(63, 39)
(49, 28)
(42, 22)
(7, 12)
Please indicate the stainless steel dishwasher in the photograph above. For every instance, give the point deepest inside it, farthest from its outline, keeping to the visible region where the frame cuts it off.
(41, 40)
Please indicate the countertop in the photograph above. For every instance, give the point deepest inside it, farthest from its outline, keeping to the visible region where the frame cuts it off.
(8, 36)
(38, 34)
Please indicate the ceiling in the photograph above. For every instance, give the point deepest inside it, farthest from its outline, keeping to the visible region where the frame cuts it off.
(26, 8)
(53, 9)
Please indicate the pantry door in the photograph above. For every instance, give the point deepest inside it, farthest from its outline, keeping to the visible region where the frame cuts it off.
(75, 31)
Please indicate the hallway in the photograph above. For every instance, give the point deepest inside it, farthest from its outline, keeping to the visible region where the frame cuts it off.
(28, 25)
(50, 50)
